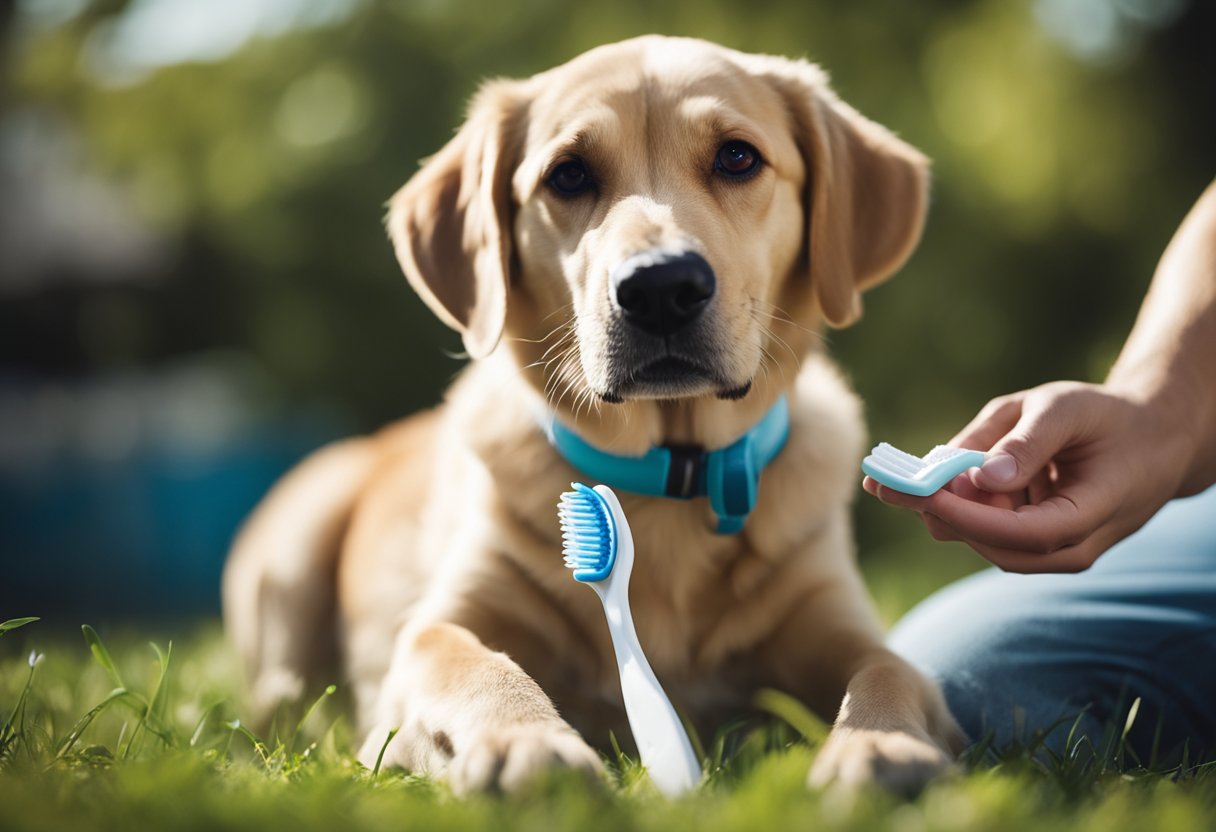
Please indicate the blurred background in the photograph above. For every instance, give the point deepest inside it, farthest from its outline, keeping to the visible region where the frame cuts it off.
(195, 287)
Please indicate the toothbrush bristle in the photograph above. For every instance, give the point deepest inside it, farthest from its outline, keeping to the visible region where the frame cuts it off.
(588, 533)
(893, 459)
(890, 458)
(943, 452)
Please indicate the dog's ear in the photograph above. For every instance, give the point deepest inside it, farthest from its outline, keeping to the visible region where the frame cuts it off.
(866, 195)
(451, 223)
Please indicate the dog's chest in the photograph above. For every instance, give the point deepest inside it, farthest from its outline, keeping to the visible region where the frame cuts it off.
(689, 606)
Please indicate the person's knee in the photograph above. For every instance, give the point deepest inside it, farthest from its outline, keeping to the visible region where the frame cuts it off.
(975, 626)
(991, 645)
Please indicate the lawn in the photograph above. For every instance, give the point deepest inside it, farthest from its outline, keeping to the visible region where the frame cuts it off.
(126, 734)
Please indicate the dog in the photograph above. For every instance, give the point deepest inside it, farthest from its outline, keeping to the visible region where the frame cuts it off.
(641, 246)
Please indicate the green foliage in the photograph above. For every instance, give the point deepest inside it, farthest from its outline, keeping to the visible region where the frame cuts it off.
(205, 770)
(14, 623)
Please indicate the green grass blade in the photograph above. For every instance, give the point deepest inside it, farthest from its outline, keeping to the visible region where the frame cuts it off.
(164, 659)
(9, 735)
(83, 723)
(628, 770)
(694, 739)
(101, 654)
(798, 716)
(383, 748)
(328, 692)
(202, 723)
(157, 701)
(260, 748)
(153, 706)
(14, 623)
(1154, 754)
(1125, 748)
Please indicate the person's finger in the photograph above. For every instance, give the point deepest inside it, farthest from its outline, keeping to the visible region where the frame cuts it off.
(1041, 485)
(1028, 539)
(894, 498)
(964, 487)
(1020, 456)
(995, 420)
(1057, 522)
(938, 530)
(1075, 558)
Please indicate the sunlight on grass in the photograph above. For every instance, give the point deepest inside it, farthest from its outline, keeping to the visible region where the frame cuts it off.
(128, 734)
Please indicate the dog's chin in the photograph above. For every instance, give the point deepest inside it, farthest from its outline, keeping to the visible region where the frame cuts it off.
(671, 378)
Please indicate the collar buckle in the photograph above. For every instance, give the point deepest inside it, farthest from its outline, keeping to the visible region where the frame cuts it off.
(685, 471)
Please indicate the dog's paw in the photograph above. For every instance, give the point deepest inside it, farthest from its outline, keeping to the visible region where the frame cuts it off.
(511, 759)
(893, 760)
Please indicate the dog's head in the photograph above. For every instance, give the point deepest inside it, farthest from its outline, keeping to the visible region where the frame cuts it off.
(657, 214)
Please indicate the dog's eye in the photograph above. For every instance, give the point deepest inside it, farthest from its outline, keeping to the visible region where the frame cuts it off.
(570, 178)
(737, 159)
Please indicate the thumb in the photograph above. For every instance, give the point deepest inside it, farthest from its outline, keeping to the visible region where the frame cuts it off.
(1021, 454)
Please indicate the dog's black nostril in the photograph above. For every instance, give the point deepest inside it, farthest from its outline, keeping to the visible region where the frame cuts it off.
(659, 291)
(691, 297)
(632, 299)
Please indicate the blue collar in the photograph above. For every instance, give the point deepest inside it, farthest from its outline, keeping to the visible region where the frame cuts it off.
(729, 476)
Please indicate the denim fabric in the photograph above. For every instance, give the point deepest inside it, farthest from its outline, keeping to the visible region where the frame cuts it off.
(1016, 654)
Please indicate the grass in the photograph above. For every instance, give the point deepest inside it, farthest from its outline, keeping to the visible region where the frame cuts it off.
(130, 735)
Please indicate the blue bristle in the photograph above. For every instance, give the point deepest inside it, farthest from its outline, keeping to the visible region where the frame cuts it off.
(588, 533)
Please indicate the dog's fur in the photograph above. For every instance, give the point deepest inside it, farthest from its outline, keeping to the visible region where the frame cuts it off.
(431, 550)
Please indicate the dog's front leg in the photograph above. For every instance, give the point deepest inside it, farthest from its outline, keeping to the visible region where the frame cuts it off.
(470, 713)
(893, 729)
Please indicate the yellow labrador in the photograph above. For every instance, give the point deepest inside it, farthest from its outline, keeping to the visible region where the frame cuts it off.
(637, 247)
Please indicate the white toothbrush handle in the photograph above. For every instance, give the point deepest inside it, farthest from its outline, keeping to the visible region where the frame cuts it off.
(660, 737)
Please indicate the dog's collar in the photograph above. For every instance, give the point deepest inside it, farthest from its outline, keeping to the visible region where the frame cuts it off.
(729, 476)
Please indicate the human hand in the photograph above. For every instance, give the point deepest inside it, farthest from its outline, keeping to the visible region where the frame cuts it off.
(1072, 469)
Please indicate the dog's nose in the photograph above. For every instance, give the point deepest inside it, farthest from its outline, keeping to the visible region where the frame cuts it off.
(661, 291)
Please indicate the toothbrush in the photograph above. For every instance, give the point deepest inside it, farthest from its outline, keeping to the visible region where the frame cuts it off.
(598, 547)
(919, 476)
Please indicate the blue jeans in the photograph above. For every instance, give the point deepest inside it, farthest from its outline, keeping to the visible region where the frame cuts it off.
(1019, 654)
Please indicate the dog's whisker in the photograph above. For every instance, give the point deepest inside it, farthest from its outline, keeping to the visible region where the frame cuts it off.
(566, 336)
(559, 359)
(569, 307)
(565, 379)
(587, 400)
(590, 400)
(579, 399)
(561, 341)
(569, 321)
(565, 390)
(781, 341)
(549, 334)
(766, 353)
(778, 314)
(555, 386)
(772, 360)
(766, 358)
(557, 376)
(770, 335)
